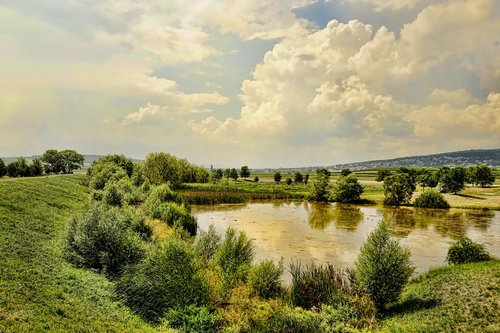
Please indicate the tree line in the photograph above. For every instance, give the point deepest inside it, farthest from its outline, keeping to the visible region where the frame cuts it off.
(51, 162)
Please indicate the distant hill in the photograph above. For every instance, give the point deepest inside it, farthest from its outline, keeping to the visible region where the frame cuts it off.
(490, 157)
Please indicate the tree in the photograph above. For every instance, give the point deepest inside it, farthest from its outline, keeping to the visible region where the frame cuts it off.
(162, 168)
(233, 174)
(306, 179)
(277, 177)
(36, 167)
(216, 175)
(346, 189)
(71, 160)
(345, 172)
(483, 175)
(398, 189)
(18, 168)
(383, 267)
(454, 180)
(256, 179)
(381, 174)
(321, 185)
(427, 179)
(244, 172)
(3, 168)
(298, 177)
(289, 181)
(52, 161)
(412, 174)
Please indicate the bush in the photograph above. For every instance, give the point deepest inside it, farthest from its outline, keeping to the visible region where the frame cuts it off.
(112, 195)
(383, 267)
(465, 251)
(431, 199)
(315, 285)
(166, 279)
(234, 256)
(158, 195)
(102, 238)
(193, 319)
(265, 278)
(294, 320)
(346, 189)
(207, 243)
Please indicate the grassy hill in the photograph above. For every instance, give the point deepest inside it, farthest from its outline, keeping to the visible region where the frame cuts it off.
(39, 290)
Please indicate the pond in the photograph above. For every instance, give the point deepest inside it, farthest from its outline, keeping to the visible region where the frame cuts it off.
(334, 233)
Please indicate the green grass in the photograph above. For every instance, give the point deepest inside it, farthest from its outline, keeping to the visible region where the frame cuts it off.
(39, 290)
(461, 298)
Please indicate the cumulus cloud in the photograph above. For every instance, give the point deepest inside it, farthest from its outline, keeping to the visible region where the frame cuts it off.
(380, 5)
(347, 82)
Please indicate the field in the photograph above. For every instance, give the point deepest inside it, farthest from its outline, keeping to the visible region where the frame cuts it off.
(39, 290)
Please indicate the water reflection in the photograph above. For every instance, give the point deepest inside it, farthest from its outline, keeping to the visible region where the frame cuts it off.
(321, 215)
(334, 233)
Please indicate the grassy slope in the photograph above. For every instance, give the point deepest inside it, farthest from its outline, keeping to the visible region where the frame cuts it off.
(39, 291)
(462, 298)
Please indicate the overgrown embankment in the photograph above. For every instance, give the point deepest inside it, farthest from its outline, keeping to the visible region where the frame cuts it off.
(39, 290)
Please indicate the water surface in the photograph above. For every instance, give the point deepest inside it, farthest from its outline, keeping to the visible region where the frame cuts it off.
(334, 233)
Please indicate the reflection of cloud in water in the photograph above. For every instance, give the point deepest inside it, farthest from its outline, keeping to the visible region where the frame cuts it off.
(334, 233)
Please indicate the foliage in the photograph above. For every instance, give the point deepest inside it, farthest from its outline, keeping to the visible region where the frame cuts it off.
(102, 238)
(428, 179)
(412, 174)
(383, 267)
(277, 177)
(298, 177)
(244, 172)
(234, 256)
(193, 319)
(431, 199)
(102, 172)
(18, 168)
(36, 167)
(216, 175)
(306, 178)
(454, 179)
(381, 174)
(346, 189)
(481, 175)
(265, 278)
(256, 179)
(294, 320)
(321, 185)
(466, 251)
(345, 172)
(233, 174)
(167, 278)
(3, 168)
(112, 195)
(162, 168)
(314, 285)
(398, 189)
(289, 181)
(158, 195)
(64, 161)
(207, 243)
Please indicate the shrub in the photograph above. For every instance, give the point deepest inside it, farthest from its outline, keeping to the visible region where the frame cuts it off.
(193, 319)
(431, 199)
(234, 256)
(166, 279)
(346, 189)
(295, 320)
(321, 186)
(158, 195)
(314, 285)
(383, 267)
(112, 195)
(398, 189)
(289, 181)
(207, 243)
(465, 251)
(101, 238)
(265, 278)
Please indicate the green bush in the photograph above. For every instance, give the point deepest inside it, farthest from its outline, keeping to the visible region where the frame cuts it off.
(157, 196)
(234, 256)
(166, 279)
(314, 285)
(346, 189)
(112, 195)
(265, 278)
(207, 243)
(295, 320)
(383, 267)
(102, 238)
(465, 251)
(431, 199)
(193, 319)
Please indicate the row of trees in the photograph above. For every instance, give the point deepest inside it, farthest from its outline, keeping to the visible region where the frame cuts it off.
(52, 161)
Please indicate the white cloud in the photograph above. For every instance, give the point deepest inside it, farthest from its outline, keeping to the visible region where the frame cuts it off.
(381, 5)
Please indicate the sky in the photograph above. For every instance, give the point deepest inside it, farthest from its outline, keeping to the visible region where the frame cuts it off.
(262, 83)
